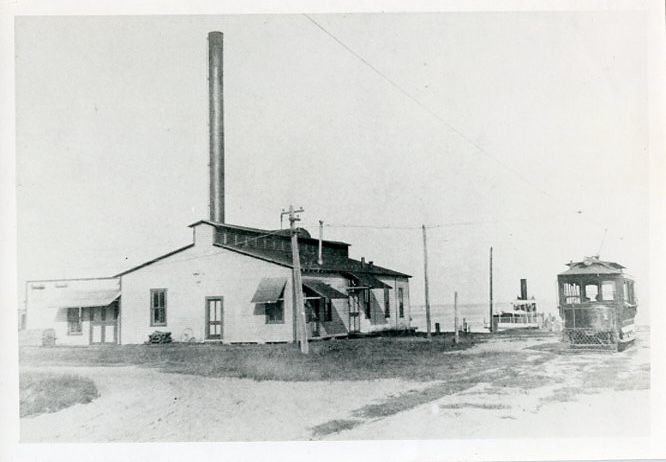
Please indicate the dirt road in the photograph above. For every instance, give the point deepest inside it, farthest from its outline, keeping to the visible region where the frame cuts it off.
(533, 387)
(553, 393)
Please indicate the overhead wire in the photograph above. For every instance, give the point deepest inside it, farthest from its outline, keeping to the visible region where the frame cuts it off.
(434, 114)
(426, 108)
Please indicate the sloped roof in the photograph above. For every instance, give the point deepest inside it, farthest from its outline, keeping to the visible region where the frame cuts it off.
(592, 265)
(332, 264)
(150, 262)
(303, 233)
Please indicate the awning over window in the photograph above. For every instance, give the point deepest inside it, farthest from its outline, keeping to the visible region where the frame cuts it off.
(269, 290)
(322, 289)
(85, 298)
(367, 281)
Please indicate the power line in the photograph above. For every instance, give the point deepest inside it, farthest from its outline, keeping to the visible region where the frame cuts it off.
(447, 225)
(440, 119)
(426, 108)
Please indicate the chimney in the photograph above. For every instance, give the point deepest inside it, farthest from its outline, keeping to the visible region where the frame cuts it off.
(362, 261)
(523, 289)
(216, 126)
(320, 259)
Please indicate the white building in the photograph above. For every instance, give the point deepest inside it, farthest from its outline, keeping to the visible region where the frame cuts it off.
(233, 284)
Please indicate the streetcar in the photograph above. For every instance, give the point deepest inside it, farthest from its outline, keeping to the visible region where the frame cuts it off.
(597, 305)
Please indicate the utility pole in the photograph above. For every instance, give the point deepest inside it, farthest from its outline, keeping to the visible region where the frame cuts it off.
(491, 290)
(455, 317)
(425, 270)
(299, 307)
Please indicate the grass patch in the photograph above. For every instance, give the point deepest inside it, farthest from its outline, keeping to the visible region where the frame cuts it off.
(354, 359)
(334, 426)
(410, 400)
(526, 380)
(44, 392)
(473, 406)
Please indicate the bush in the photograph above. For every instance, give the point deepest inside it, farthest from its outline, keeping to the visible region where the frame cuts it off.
(45, 392)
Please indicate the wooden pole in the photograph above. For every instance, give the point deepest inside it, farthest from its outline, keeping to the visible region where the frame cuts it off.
(299, 306)
(425, 270)
(455, 317)
(491, 290)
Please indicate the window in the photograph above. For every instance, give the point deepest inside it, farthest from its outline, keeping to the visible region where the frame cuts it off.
(74, 321)
(366, 303)
(571, 293)
(387, 304)
(608, 290)
(274, 312)
(629, 296)
(591, 293)
(158, 304)
(401, 303)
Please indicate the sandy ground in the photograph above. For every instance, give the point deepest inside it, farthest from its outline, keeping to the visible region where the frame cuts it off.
(550, 392)
(582, 393)
(142, 405)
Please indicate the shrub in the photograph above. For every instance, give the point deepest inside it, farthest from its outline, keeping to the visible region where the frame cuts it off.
(46, 392)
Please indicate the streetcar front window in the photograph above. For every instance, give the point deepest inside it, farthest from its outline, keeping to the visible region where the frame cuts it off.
(591, 292)
(571, 293)
(608, 290)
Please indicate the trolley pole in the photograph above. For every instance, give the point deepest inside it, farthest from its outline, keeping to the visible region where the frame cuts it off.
(299, 307)
(425, 271)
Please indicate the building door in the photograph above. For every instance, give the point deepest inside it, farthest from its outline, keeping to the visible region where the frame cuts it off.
(313, 310)
(104, 324)
(354, 313)
(214, 312)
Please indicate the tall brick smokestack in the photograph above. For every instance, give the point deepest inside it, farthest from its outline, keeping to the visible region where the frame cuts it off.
(216, 126)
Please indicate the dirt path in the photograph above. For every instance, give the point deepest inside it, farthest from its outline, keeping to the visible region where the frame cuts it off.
(552, 393)
(142, 405)
(508, 388)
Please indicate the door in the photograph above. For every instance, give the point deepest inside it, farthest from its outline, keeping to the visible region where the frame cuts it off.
(354, 313)
(313, 310)
(104, 324)
(214, 312)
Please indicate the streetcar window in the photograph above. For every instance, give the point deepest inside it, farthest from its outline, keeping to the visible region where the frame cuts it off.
(571, 293)
(591, 292)
(629, 292)
(608, 290)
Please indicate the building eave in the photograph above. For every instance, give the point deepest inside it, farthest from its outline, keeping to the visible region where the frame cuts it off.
(253, 255)
(148, 263)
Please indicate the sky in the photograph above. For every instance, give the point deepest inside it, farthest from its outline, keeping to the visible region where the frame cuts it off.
(522, 131)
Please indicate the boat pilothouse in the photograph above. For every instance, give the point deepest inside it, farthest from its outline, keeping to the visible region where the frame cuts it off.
(597, 304)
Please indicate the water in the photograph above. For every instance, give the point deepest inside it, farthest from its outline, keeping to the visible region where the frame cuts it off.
(476, 314)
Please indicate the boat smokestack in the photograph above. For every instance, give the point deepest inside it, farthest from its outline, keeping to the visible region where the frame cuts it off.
(523, 289)
(216, 126)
